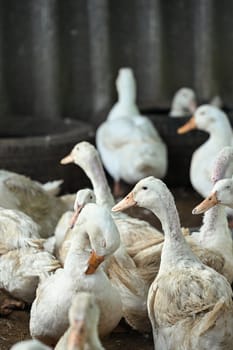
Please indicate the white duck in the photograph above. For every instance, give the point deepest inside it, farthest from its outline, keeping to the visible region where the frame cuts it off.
(189, 304)
(20, 272)
(82, 333)
(215, 122)
(97, 238)
(129, 144)
(20, 192)
(184, 102)
(221, 194)
(215, 233)
(30, 345)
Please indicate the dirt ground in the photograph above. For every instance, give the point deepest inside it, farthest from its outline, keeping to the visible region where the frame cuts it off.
(14, 327)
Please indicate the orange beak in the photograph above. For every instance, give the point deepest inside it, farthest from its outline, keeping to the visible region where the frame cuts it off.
(190, 125)
(77, 336)
(68, 159)
(125, 203)
(75, 216)
(206, 204)
(93, 262)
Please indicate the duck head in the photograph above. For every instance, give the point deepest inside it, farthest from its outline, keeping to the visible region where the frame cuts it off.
(83, 197)
(126, 85)
(222, 193)
(206, 117)
(84, 317)
(184, 102)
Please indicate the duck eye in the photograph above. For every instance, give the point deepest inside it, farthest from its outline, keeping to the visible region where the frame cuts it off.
(90, 197)
(144, 187)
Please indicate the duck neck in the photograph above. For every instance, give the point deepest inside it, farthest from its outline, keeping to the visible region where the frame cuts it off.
(222, 132)
(76, 260)
(127, 94)
(223, 166)
(215, 227)
(79, 252)
(99, 182)
(175, 248)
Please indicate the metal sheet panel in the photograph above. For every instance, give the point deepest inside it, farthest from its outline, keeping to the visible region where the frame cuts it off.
(60, 58)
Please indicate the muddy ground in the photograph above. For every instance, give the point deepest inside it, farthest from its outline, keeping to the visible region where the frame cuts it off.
(15, 327)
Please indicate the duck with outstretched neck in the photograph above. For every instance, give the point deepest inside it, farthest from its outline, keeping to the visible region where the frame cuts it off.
(189, 304)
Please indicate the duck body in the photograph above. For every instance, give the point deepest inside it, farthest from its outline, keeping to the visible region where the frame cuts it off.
(215, 235)
(21, 270)
(123, 141)
(189, 304)
(49, 323)
(49, 313)
(200, 318)
(20, 192)
(18, 230)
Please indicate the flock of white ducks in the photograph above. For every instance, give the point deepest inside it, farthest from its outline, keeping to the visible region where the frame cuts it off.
(83, 265)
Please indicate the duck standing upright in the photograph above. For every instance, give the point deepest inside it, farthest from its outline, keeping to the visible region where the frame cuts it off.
(129, 144)
(189, 304)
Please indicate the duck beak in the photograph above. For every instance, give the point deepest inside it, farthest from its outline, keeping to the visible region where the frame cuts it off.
(77, 336)
(125, 203)
(190, 125)
(68, 159)
(206, 204)
(75, 216)
(93, 262)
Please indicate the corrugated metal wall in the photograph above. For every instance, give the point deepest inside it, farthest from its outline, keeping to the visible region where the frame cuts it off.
(59, 58)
